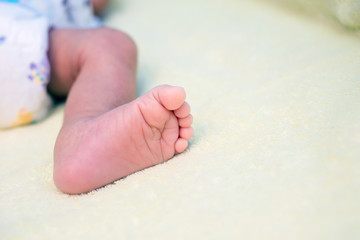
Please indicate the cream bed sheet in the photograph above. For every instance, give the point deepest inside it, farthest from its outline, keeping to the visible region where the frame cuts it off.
(275, 96)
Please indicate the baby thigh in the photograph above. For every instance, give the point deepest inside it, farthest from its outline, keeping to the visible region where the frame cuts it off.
(79, 52)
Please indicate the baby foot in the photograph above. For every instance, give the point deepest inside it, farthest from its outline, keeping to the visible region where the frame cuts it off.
(147, 131)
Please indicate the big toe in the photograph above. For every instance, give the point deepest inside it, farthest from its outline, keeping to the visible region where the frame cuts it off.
(171, 97)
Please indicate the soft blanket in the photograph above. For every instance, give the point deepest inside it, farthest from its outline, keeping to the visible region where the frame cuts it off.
(275, 95)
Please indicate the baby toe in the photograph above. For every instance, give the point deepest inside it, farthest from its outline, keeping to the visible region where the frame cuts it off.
(186, 122)
(183, 111)
(169, 96)
(180, 145)
(186, 133)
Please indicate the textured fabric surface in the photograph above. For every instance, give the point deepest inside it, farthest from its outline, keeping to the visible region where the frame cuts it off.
(346, 12)
(276, 102)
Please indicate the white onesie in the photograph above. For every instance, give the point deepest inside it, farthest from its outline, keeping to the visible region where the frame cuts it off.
(24, 65)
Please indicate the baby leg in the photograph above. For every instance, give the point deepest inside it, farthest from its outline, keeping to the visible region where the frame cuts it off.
(107, 134)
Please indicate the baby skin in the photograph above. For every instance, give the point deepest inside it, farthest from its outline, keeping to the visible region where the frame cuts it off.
(107, 134)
